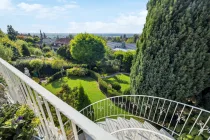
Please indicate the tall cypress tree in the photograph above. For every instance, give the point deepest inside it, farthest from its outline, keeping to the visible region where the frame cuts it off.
(173, 59)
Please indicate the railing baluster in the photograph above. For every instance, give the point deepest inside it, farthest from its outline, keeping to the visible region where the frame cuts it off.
(146, 107)
(142, 105)
(179, 117)
(61, 124)
(129, 105)
(50, 117)
(75, 131)
(43, 113)
(195, 122)
(151, 107)
(204, 125)
(166, 113)
(27, 95)
(173, 115)
(156, 110)
(117, 105)
(186, 121)
(134, 103)
(137, 106)
(162, 110)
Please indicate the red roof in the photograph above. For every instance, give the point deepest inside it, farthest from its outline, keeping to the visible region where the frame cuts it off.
(63, 41)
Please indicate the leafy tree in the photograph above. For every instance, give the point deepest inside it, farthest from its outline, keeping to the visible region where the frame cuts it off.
(63, 51)
(37, 52)
(46, 49)
(172, 58)
(87, 48)
(58, 64)
(6, 53)
(127, 60)
(30, 39)
(25, 50)
(71, 36)
(12, 34)
(37, 64)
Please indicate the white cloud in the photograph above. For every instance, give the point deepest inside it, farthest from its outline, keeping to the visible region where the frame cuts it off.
(30, 7)
(6, 5)
(126, 23)
(46, 12)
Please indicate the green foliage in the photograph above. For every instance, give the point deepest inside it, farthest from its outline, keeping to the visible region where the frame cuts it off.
(116, 86)
(25, 50)
(6, 53)
(58, 64)
(55, 76)
(63, 51)
(125, 59)
(46, 49)
(37, 52)
(172, 58)
(36, 64)
(87, 48)
(12, 34)
(76, 71)
(127, 91)
(103, 85)
(17, 122)
(30, 39)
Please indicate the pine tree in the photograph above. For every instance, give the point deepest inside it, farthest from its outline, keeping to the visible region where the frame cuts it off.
(173, 59)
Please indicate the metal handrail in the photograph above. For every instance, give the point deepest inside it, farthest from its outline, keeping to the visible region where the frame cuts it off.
(20, 83)
(161, 108)
(143, 130)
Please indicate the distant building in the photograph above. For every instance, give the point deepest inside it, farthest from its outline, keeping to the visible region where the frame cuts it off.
(49, 41)
(62, 41)
(121, 46)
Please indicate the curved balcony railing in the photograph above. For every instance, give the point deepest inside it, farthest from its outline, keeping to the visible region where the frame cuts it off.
(139, 133)
(175, 117)
(51, 110)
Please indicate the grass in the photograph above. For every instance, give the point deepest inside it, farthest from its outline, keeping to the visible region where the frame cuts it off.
(91, 89)
(122, 79)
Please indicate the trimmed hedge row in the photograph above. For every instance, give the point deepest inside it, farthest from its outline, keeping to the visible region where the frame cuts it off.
(46, 70)
(76, 71)
(56, 76)
(103, 85)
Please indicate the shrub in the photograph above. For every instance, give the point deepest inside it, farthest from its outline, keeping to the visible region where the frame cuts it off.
(76, 71)
(49, 54)
(56, 76)
(112, 92)
(127, 91)
(25, 50)
(116, 86)
(17, 122)
(46, 49)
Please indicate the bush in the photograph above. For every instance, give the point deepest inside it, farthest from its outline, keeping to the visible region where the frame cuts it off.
(17, 122)
(116, 86)
(112, 92)
(54, 77)
(127, 91)
(46, 49)
(76, 71)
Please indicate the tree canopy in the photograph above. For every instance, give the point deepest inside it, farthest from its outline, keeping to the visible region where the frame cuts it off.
(87, 48)
(173, 59)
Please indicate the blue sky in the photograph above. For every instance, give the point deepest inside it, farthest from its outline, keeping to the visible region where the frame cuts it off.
(74, 16)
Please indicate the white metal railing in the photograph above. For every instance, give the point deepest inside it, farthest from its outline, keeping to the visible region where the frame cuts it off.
(175, 117)
(139, 134)
(48, 108)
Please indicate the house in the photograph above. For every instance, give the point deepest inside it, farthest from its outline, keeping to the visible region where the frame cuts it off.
(49, 41)
(62, 41)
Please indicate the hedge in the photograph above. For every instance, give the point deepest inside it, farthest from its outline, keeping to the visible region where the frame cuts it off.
(76, 71)
(116, 86)
(46, 70)
(103, 85)
(56, 76)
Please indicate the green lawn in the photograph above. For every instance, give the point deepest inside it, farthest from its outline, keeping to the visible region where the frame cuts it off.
(122, 79)
(91, 89)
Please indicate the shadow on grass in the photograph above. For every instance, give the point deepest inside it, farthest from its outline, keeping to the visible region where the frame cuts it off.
(88, 79)
(58, 83)
(119, 80)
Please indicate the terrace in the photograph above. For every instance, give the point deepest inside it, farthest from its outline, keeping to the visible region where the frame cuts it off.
(120, 117)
